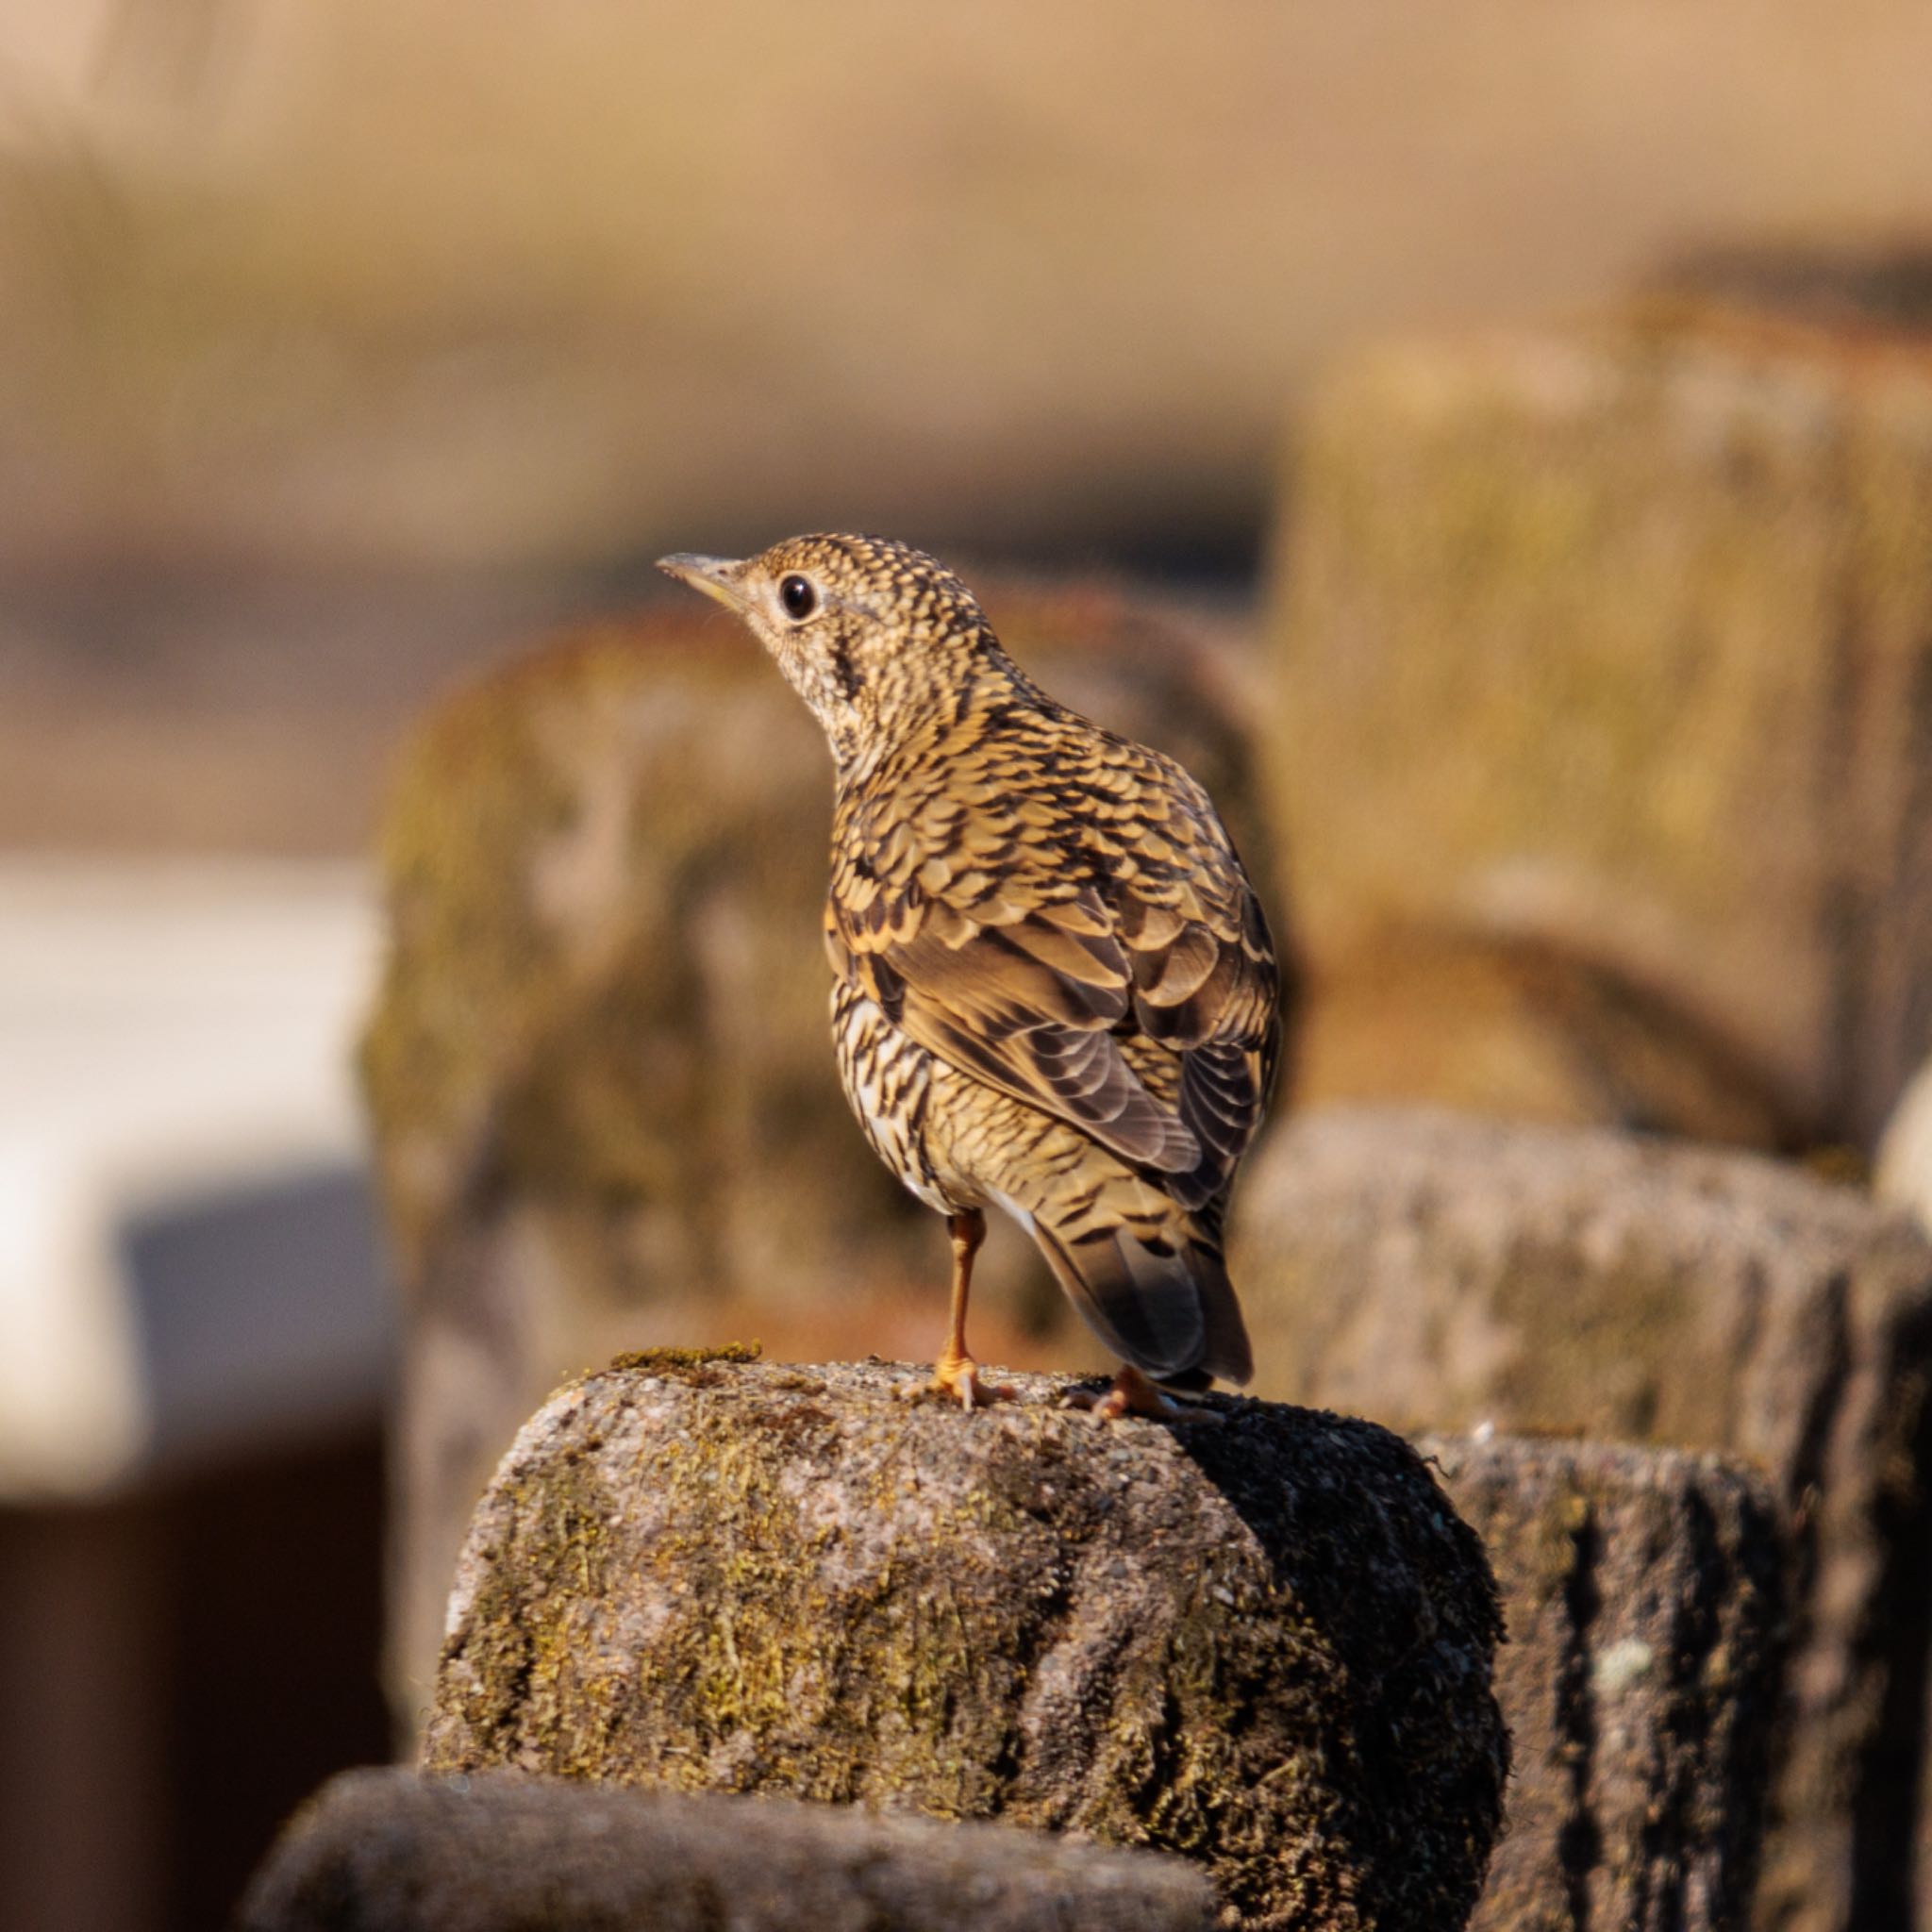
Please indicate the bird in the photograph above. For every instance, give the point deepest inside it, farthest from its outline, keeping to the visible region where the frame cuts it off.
(1054, 990)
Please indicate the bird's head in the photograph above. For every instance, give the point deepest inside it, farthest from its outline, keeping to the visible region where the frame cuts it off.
(872, 634)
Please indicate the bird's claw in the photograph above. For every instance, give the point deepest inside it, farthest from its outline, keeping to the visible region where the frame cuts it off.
(959, 1381)
(1130, 1393)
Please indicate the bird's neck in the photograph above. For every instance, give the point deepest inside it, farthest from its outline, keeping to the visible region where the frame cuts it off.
(918, 726)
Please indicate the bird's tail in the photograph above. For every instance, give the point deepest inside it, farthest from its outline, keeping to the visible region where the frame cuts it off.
(1154, 1287)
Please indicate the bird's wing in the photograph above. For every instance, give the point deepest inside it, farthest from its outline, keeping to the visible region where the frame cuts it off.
(1026, 1000)
(1206, 984)
(1031, 955)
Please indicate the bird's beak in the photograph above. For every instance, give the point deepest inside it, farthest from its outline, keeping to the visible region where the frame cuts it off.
(716, 576)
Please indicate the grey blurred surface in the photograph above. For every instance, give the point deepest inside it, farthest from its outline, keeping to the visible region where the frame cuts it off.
(196, 1341)
(189, 1261)
(260, 1312)
(390, 1851)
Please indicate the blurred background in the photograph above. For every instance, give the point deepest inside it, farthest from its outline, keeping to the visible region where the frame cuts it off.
(348, 350)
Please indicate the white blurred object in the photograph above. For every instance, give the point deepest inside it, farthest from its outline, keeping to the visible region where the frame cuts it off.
(186, 1249)
(1905, 1153)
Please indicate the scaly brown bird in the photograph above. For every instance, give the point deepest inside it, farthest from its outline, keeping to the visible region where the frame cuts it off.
(1054, 992)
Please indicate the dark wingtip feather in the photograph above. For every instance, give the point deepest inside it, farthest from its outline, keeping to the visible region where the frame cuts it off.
(1171, 1314)
(1228, 1354)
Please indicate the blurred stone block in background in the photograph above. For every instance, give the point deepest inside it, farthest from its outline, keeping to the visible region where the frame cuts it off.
(1520, 1029)
(1644, 1596)
(1617, 638)
(1439, 1272)
(601, 1075)
(1265, 1644)
(499, 1851)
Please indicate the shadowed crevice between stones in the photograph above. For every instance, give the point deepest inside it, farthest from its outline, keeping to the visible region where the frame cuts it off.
(1579, 1841)
(1889, 1836)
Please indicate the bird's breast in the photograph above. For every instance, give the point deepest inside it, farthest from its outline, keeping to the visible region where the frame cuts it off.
(888, 1082)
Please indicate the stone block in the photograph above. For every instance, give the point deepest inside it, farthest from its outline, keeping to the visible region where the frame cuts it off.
(1265, 1644)
(504, 1852)
(1642, 1589)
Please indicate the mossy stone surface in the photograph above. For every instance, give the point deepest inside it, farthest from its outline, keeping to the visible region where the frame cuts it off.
(1265, 1645)
(1441, 1272)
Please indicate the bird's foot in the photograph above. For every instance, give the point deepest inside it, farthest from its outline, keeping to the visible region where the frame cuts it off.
(1132, 1394)
(956, 1378)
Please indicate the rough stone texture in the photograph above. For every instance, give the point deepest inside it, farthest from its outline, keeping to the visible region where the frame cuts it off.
(1438, 1271)
(1265, 1644)
(1640, 1681)
(601, 1073)
(503, 1853)
(1860, 289)
(1618, 638)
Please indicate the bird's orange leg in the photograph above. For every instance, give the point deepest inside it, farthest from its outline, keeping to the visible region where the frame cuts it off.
(1132, 1393)
(955, 1373)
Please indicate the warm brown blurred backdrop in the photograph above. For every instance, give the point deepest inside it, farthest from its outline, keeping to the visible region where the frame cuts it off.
(343, 341)
(502, 285)
(349, 347)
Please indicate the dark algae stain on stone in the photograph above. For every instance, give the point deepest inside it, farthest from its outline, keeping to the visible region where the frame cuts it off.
(1266, 1645)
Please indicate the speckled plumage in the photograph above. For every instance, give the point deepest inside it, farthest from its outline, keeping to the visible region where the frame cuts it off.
(1054, 990)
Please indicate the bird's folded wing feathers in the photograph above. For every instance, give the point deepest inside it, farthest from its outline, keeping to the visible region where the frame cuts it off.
(1027, 1006)
(1036, 998)
(1207, 987)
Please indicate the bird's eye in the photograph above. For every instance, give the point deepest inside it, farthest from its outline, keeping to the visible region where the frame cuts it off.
(799, 596)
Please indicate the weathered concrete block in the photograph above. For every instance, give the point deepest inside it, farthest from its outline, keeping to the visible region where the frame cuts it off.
(503, 1853)
(1616, 639)
(1265, 1645)
(1438, 1271)
(601, 1075)
(1641, 1682)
